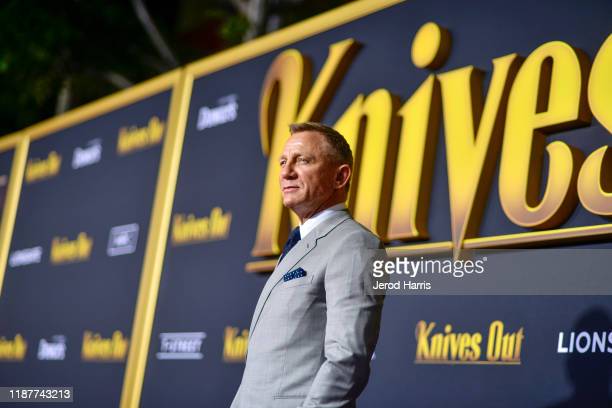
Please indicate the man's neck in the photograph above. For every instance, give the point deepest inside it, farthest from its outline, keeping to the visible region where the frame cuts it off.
(321, 208)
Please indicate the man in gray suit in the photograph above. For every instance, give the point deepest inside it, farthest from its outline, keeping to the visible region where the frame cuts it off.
(315, 326)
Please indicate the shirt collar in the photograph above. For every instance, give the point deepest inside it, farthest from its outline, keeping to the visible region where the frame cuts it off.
(318, 218)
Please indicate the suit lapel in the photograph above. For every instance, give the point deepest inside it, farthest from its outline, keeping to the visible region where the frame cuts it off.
(299, 251)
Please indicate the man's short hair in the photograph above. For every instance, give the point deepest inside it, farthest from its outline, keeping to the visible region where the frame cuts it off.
(340, 149)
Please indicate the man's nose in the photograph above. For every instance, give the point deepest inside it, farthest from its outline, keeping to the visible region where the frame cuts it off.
(287, 171)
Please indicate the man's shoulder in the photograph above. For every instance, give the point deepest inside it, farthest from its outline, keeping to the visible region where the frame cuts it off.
(351, 231)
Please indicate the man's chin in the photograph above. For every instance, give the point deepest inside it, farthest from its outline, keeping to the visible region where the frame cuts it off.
(288, 203)
(293, 206)
(290, 200)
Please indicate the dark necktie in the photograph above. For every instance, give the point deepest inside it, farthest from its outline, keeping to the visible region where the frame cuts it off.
(294, 238)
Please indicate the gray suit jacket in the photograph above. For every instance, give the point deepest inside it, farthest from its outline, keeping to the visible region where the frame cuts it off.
(312, 338)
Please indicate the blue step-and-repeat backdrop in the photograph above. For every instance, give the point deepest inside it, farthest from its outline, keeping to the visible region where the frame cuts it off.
(138, 231)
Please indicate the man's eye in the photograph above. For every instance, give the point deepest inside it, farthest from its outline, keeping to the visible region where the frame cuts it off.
(303, 160)
(282, 162)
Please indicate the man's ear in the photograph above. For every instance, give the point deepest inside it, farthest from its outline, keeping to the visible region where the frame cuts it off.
(343, 175)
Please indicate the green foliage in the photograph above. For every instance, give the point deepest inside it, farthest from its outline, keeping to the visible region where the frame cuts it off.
(46, 45)
(43, 44)
(233, 29)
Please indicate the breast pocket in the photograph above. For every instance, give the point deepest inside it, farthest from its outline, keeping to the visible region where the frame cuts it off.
(304, 280)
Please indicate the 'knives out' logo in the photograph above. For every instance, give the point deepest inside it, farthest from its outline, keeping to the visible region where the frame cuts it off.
(64, 250)
(187, 228)
(235, 344)
(446, 346)
(40, 169)
(134, 138)
(13, 350)
(97, 348)
(554, 88)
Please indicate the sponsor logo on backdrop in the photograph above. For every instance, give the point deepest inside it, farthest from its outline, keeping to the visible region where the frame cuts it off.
(226, 111)
(444, 345)
(133, 138)
(398, 161)
(40, 169)
(26, 256)
(188, 228)
(86, 156)
(13, 350)
(584, 342)
(64, 250)
(181, 346)
(54, 349)
(99, 349)
(235, 344)
(122, 240)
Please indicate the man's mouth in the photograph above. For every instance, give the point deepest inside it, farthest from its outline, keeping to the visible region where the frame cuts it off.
(289, 189)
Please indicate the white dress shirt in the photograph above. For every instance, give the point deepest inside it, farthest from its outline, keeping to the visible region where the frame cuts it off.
(318, 218)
